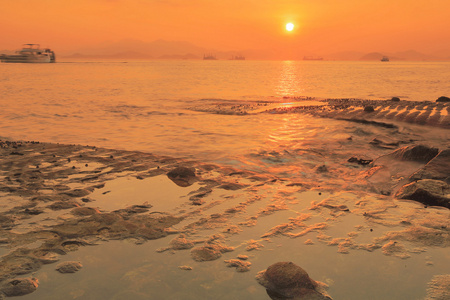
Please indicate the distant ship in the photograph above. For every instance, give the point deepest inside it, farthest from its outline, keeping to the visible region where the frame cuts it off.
(209, 57)
(385, 58)
(312, 58)
(238, 57)
(30, 53)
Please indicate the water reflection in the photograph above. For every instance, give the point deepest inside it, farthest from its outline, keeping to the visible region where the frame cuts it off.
(289, 83)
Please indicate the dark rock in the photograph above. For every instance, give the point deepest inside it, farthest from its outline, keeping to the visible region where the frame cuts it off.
(77, 193)
(443, 99)
(426, 191)
(395, 99)
(286, 280)
(419, 153)
(359, 161)
(322, 169)
(58, 205)
(438, 168)
(85, 211)
(182, 176)
(231, 186)
(369, 108)
(69, 267)
(19, 286)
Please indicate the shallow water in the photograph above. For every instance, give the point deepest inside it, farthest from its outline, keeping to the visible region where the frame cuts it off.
(118, 269)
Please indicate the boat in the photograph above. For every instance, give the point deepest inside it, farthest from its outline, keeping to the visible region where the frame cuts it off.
(385, 58)
(238, 57)
(30, 53)
(209, 57)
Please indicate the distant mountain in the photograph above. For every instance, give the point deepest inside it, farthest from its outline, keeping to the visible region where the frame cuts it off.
(162, 49)
(344, 55)
(138, 49)
(442, 54)
(414, 55)
(178, 56)
(121, 55)
(372, 56)
(410, 55)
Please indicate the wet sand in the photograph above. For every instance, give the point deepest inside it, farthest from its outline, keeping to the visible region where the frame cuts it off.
(140, 224)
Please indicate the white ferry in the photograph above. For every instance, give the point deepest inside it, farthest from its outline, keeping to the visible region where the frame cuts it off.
(30, 53)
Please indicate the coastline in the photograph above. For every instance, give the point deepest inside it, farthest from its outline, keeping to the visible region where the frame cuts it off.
(61, 198)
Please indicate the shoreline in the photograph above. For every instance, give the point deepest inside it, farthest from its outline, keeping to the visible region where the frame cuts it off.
(56, 197)
(431, 113)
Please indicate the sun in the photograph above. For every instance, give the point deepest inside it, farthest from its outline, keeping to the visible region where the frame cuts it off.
(289, 26)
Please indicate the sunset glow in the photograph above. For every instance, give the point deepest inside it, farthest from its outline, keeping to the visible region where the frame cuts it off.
(71, 27)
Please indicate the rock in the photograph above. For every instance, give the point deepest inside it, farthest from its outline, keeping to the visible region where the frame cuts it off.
(69, 267)
(286, 280)
(438, 168)
(384, 143)
(59, 205)
(443, 99)
(369, 108)
(322, 169)
(182, 176)
(19, 286)
(85, 211)
(77, 193)
(395, 99)
(359, 161)
(439, 287)
(210, 251)
(419, 153)
(181, 243)
(426, 191)
(241, 266)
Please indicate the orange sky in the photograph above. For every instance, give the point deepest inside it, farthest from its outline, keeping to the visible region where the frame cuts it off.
(322, 26)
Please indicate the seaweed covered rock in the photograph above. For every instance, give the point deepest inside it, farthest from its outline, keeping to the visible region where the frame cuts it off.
(286, 280)
(426, 191)
(182, 176)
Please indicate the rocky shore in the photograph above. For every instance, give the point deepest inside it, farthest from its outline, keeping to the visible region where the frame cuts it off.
(48, 208)
(376, 112)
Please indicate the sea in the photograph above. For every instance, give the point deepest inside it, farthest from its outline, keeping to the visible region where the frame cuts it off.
(145, 106)
(152, 107)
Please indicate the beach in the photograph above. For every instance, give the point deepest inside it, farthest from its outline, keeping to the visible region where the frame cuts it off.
(64, 199)
(191, 198)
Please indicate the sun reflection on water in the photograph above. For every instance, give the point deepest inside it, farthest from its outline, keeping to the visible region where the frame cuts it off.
(289, 83)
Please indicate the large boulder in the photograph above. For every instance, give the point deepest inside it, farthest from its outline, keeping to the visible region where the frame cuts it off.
(438, 168)
(419, 153)
(443, 99)
(426, 191)
(19, 286)
(286, 280)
